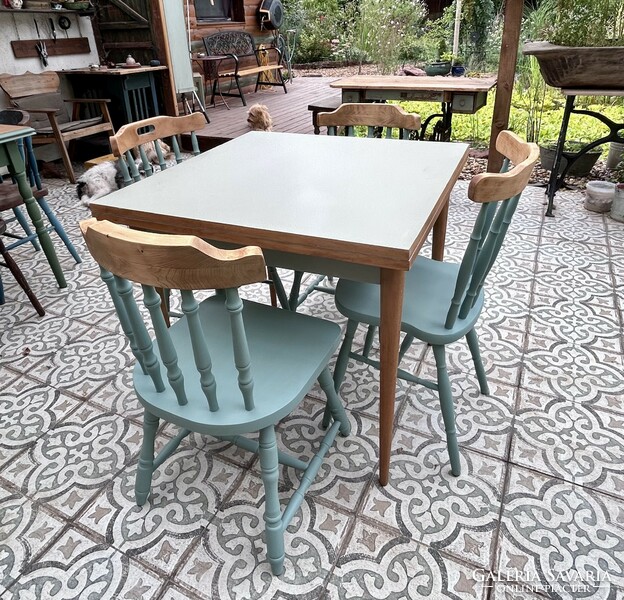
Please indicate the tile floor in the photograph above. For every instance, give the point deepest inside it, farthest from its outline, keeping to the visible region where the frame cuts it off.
(538, 511)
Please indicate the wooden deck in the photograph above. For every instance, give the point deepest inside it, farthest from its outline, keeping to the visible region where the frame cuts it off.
(289, 111)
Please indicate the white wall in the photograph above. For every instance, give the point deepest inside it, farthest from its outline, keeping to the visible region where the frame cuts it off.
(18, 25)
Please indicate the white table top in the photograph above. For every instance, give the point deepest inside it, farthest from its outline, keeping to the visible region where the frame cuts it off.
(365, 201)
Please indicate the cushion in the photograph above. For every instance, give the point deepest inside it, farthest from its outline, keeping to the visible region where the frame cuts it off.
(49, 100)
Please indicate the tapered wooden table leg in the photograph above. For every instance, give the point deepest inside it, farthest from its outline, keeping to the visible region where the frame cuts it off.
(392, 286)
(439, 234)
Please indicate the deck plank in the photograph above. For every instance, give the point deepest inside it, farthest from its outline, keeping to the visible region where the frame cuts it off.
(288, 111)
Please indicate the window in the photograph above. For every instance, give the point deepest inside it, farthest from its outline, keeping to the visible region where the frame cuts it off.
(218, 10)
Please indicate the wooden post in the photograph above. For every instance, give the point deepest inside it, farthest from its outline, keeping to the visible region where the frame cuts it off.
(506, 73)
(161, 42)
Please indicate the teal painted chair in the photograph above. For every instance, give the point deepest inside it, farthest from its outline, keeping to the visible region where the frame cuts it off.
(387, 121)
(213, 371)
(143, 145)
(443, 301)
(140, 146)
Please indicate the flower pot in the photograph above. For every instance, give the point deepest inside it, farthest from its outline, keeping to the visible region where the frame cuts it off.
(439, 67)
(599, 196)
(458, 70)
(617, 208)
(581, 168)
(616, 154)
(569, 67)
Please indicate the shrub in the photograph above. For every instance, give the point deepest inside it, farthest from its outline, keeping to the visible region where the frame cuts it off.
(584, 22)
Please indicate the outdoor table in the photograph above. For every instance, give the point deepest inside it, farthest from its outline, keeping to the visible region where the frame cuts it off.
(346, 207)
(614, 135)
(10, 156)
(463, 95)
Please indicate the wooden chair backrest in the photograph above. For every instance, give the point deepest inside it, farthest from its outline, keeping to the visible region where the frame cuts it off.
(129, 143)
(29, 84)
(498, 194)
(387, 116)
(488, 187)
(180, 262)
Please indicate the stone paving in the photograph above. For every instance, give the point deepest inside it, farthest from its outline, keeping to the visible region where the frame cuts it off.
(537, 512)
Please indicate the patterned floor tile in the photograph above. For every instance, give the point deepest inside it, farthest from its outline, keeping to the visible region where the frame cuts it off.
(501, 354)
(231, 560)
(348, 466)
(118, 396)
(570, 283)
(506, 307)
(26, 527)
(76, 567)
(377, 564)
(174, 592)
(564, 253)
(27, 341)
(457, 515)
(65, 467)
(186, 491)
(573, 372)
(223, 450)
(86, 363)
(90, 304)
(566, 540)
(29, 409)
(577, 323)
(483, 422)
(570, 440)
(360, 389)
(579, 227)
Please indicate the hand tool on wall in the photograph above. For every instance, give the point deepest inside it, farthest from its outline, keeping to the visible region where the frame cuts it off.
(64, 24)
(41, 47)
(52, 28)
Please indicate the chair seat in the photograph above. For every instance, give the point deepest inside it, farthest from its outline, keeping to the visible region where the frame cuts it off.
(70, 125)
(429, 287)
(10, 196)
(299, 344)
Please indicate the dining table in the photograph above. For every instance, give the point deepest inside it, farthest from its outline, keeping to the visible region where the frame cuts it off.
(12, 157)
(360, 208)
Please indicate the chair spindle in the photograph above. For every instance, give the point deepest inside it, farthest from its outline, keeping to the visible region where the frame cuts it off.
(169, 356)
(124, 289)
(242, 359)
(203, 362)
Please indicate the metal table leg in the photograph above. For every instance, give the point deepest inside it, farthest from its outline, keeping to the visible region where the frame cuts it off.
(553, 183)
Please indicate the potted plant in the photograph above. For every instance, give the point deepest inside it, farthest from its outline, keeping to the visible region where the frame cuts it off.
(458, 69)
(581, 168)
(441, 66)
(583, 44)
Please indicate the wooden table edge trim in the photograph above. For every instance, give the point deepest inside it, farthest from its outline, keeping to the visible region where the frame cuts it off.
(362, 254)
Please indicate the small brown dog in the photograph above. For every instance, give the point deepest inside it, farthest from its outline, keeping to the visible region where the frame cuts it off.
(259, 119)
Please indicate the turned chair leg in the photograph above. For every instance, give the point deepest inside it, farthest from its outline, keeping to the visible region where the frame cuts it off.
(448, 410)
(19, 276)
(145, 468)
(473, 345)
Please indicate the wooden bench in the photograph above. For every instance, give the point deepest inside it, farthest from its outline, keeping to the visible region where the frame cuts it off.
(327, 104)
(237, 57)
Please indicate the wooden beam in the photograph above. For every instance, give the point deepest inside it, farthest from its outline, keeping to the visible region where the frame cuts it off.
(127, 45)
(123, 26)
(506, 74)
(161, 43)
(129, 11)
(28, 48)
